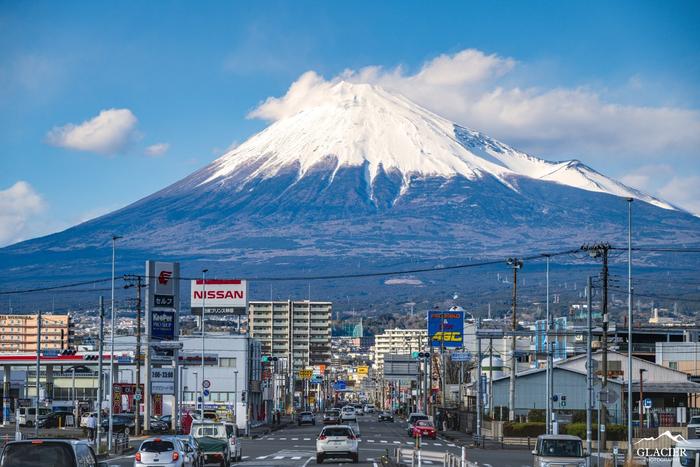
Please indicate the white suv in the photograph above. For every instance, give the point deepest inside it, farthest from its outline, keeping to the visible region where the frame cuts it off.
(337, 441)
(348, 413)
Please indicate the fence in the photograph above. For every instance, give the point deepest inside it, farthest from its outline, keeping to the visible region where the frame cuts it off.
(416, 457)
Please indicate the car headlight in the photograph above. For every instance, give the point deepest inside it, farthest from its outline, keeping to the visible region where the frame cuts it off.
(544, 464)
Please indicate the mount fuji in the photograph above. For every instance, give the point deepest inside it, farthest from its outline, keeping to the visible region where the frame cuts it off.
(359, 176)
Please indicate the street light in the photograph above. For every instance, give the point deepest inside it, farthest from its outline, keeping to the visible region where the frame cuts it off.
(235, 398)
(516, 264)
(195, 392)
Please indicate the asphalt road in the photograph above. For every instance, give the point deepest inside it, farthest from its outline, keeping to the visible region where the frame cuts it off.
(295, 446)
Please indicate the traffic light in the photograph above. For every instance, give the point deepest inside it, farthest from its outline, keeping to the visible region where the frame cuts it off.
(268, 359)
(420, 354)
(555, 398)
(243, 396)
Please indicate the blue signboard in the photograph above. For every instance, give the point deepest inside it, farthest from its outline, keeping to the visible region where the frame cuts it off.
(446, 328)
(461, 357)
(339, 386)
(162, 325)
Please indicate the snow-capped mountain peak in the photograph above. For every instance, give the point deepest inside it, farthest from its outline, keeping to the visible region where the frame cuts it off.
(357, 125)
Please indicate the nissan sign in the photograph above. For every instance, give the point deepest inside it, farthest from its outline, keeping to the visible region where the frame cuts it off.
(219, 296)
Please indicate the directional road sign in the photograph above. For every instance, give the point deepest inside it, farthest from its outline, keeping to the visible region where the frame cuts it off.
(647, 403)
(206, 393)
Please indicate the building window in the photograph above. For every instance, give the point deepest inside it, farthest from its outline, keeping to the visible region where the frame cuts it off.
(227, 362)
(673, 365)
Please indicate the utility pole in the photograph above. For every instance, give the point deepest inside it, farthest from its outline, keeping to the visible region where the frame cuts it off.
(601, 250)
(137, 427)
(38, 373)
(516, 264)
(100, 383)
(629, 329)
(130, 279)
(479, 394)
(589, 366)
(550, 357)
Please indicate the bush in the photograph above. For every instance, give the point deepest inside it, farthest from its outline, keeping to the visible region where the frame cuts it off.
(522, 430)
(615, 432)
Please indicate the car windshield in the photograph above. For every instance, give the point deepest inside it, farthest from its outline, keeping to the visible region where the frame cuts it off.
(157, 446)
(695, 421)
(415, 418)
(561, 448)
(348, 409)
(332, 412)
(337, 431)
(41, 454)
(424, 423)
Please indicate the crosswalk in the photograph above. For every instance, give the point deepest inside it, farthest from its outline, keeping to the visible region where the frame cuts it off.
(371, 441)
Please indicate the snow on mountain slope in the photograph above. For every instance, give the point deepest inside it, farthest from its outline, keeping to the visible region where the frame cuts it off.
(361, 124)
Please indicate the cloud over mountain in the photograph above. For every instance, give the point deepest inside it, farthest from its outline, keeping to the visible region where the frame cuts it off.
(107, 133)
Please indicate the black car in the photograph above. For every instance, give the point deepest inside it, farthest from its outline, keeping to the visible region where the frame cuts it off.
(385, 417)
(54, 452)
(158, 425)
(55, 419)
(121, 423)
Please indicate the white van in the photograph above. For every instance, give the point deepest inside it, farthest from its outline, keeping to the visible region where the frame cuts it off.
(26, 416)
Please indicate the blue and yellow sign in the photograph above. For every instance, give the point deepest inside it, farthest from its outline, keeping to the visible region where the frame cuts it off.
(446, 328)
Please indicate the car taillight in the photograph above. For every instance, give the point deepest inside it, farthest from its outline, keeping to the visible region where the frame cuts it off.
(138, 457)
(322, 437)
(176, 455)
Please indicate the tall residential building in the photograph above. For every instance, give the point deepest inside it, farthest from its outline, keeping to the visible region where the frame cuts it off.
(18, 332)
(301, 329)
(398, 341)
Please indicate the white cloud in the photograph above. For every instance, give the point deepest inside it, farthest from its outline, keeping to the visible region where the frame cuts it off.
(482, 92)
(19, 204)
(683, 191)
(158, 149)
(108, 133)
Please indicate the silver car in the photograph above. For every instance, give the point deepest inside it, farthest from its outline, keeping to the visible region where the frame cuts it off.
(163, 452)
(559, 450)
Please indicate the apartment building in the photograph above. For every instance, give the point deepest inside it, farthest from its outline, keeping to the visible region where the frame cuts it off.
(300, 329)
(18, 332)
(398, 341)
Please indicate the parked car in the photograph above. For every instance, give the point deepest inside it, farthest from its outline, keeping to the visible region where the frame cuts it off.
(559, 450)
(26, 416)
(84, 418)
(212, 439)
(412, 419)
(121, 423)
(169, 452)
(55, 419)
(331, 417)
(53, 452)
(159, 426)
(347, 413)
(234, 444)
(306, 418)
(196, 452)
(167, 419)
(385, 416)
(369, 408)
(685, 452)
(424, 428)
(694, 427)
(337, 441)
(359, 409)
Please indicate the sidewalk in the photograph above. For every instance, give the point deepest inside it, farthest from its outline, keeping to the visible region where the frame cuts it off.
(265, 428)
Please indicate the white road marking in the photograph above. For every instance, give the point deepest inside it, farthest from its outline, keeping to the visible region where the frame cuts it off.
(437, 444)
(283, 439)
(370, 441)
(271, 439)
(295, 439)
(307, 461)
(384, 441)
(374, 464)
(261, 457)
(451, 446)
(296, 458)
(397, 442)
(245, 457)
(307, 439)
(278, 457)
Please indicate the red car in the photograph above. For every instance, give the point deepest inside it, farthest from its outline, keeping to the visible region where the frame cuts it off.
(424, 428)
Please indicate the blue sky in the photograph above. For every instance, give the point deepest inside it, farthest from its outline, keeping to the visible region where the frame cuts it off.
(167, 86)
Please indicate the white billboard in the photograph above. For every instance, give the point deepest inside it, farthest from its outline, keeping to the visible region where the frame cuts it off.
(162, 380)
(219, 295)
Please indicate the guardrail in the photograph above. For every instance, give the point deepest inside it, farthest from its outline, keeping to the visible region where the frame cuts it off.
(120, 442)
(416, 457)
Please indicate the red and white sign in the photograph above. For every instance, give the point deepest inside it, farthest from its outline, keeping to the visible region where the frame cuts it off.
(219, 293)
